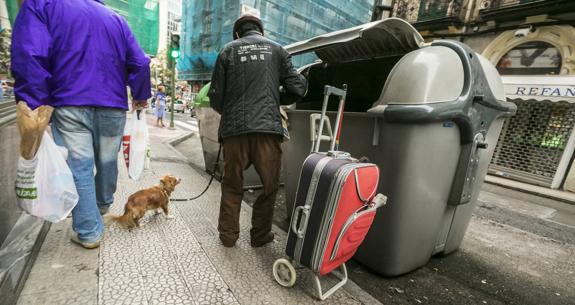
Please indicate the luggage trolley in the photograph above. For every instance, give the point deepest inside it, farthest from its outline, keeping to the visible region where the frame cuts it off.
(335, 206)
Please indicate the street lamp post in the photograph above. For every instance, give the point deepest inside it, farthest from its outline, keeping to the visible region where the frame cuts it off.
(173, 95)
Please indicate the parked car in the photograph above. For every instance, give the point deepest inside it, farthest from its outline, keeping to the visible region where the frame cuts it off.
(179, 106)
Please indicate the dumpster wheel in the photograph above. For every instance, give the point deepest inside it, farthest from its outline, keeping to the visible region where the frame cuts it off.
(284, 272)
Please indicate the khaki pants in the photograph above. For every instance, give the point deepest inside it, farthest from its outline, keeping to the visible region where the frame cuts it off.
(264, 152)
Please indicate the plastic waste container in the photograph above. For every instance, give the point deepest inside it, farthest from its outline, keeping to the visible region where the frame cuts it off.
(429, 115)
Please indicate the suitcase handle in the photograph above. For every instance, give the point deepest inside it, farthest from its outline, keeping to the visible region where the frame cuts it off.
(328, 91)
(300, 212)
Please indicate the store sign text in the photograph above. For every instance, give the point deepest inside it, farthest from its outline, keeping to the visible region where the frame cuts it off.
(559, 91)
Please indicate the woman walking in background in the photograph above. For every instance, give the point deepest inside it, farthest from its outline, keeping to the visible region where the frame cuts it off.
(160, 106)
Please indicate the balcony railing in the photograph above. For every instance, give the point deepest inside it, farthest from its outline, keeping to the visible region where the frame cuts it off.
(519, 9)
(431, 10)
(495, 4)
(429, 14)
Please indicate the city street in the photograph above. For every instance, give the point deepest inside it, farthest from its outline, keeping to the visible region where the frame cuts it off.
(403, 152)
(183, 121)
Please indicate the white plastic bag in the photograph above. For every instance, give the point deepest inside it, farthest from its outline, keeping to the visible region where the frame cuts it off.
(45, 185)
(139, 146)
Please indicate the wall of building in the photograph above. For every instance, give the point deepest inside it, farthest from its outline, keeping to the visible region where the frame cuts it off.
(570, 181)
(170, 11)
(207, 26)
(163, 26)
(480, 43)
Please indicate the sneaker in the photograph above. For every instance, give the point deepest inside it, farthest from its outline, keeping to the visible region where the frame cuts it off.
(260, 243)
(86, 245)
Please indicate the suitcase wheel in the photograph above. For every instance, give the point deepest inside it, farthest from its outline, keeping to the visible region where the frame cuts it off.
(284, 272)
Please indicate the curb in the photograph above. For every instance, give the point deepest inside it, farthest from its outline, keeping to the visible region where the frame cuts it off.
(177, 140)
(549, 195)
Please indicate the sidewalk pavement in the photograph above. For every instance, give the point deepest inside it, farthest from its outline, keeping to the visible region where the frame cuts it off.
(168, 261)
(519, 249)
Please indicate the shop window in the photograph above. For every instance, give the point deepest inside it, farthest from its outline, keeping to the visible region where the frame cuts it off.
(531, 58)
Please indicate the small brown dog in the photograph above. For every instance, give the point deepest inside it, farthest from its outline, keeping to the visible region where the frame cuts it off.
(155, 198)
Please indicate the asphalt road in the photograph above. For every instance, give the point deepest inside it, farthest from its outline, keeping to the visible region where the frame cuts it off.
(519, 249)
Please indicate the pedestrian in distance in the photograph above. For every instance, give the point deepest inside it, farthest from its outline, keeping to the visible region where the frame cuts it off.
(78, 57)
(160, 109)
(245, 91)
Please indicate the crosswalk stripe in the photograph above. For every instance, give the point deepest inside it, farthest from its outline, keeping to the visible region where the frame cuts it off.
(195, 123)
(186, 126)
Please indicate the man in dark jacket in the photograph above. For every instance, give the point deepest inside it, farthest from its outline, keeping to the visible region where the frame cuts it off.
(245, 91)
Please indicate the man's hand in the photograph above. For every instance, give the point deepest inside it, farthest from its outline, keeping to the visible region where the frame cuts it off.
(139, 105)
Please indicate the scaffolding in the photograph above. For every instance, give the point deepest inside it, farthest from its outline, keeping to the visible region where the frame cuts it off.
(208, 26)
(143, 17)
(12, 7)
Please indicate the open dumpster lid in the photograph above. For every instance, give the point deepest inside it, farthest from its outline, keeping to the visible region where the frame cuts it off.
(383, 38)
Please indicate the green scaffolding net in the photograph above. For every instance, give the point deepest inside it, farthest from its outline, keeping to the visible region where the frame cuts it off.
(207, 26)
(143, 17)
(12, 7)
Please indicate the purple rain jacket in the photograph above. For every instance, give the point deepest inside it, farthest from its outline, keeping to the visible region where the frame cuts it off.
(76, 53)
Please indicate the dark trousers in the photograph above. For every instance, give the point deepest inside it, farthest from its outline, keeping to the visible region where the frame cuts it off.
(264, 152)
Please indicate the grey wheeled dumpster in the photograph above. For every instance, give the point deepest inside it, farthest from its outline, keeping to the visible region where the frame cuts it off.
(429, 116)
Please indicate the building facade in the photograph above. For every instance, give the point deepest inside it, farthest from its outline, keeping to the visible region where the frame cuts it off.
(170, 21)
(531, 44)
(143, 18)
(207, 26)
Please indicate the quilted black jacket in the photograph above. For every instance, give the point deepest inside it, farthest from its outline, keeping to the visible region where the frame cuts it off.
(245, 85)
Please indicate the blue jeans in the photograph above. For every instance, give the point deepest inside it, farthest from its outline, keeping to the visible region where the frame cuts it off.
(93, 137)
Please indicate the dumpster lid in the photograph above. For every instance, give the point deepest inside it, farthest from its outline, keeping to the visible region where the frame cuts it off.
(383, 38)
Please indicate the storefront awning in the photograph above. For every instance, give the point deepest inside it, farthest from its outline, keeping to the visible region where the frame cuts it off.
(554, 88)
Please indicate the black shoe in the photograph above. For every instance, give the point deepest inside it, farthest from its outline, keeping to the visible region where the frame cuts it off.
(260, 243)
(227, 243)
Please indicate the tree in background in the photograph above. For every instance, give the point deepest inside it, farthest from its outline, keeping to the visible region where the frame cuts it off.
(5, 39)
(160, 70)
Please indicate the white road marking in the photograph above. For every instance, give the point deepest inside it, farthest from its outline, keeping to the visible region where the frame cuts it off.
(187, 126)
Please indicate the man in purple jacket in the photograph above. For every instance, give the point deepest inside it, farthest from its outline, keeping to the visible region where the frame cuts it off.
(78, 56)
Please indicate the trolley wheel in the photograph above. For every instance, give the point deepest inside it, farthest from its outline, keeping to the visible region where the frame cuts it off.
(284, 272)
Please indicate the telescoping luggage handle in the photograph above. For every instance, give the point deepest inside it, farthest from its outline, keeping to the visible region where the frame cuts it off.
(328, 91)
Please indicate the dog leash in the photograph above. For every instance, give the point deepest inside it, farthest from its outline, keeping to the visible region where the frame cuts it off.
(209, 183)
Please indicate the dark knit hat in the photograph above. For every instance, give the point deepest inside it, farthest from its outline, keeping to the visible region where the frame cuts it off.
(245, 18)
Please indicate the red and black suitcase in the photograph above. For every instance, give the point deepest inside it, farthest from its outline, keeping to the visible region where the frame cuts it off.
(335, 206)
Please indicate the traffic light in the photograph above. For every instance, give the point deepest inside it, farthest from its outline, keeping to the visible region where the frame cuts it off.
(175, 45)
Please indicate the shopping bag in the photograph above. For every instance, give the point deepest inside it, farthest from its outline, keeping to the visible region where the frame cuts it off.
(31, 125)
(139, 145)
(44, 184)
(126, 143)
